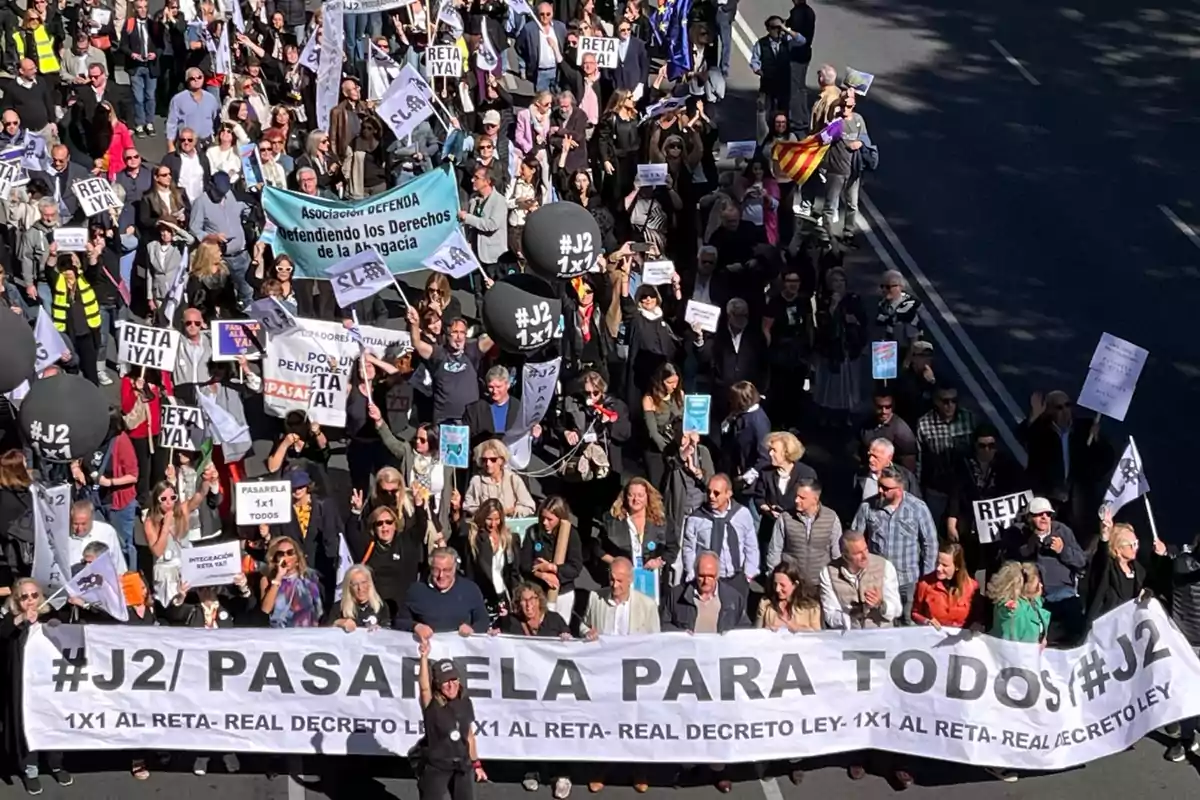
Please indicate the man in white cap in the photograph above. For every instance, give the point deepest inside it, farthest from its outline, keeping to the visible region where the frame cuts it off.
(1052, 546)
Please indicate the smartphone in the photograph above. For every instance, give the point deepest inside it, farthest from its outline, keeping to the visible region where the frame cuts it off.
(640, 247)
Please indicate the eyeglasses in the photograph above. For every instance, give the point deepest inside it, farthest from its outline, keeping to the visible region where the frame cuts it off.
(96, 76)
(12, 123)
(1041, 514)
(883, 406)
(281, 553)
(885, 488)
(192, 323)
(30, 596)
(133, 158)
(491, 459)
(1133, 544)
(391, 523)
(187, 139)
(774, 28)
(195, 77)
(167, 497)
(483, 147)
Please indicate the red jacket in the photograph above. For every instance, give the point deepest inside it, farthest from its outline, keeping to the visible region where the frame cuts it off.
(932, 600)
(128, 397)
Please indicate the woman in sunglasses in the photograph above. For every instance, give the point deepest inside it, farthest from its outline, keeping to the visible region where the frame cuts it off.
(23, 608)
(291, 592)
(166, 529)
(984, 473)
(392, 541)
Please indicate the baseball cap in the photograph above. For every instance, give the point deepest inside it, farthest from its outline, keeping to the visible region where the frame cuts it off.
(299, 479)
(1040, 505)
(491, 117)
(922, 346)
(444, 671)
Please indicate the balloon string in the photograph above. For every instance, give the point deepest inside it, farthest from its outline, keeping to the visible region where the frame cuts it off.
(552, 468)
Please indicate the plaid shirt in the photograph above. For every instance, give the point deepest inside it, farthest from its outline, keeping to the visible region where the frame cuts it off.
(943, 444)
(905, 535)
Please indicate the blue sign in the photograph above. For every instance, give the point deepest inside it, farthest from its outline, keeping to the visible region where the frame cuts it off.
(885, 361)
(454, 446)
(696, 408)
(232, 338)
(405, 225)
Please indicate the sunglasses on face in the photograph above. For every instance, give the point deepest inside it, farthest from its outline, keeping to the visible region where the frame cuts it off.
(11, 123)
(883, 406)
(390, 523)
(167, 497)
(280, 554)
(193, 323)
(132, 158)
(162, 174)
(30, 596)
(491, 459)
(187, 140)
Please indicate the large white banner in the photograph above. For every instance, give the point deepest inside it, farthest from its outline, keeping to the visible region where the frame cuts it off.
(292, 358)
(51, 507)
(751, 695)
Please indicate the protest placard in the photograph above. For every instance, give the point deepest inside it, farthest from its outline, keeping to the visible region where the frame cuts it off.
(703, 315)
(1112, 376)
(12, 173)
(651, 175)
(454, 446)
(95, 195)
(444, 61)
(454, 258)
(182, 427)
(234, 338)
(252, 172)
(263, 502)
(211, 564)
(604, 48)
(741, 149)
(146, 346)
(993, 516)
(657, 273)
(885, 361)
(696, 411)
(327, 399)
(70, 240)
(859, 81)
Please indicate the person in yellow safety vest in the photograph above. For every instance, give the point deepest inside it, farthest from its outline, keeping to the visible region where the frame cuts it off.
(33, 39)
(77, 314)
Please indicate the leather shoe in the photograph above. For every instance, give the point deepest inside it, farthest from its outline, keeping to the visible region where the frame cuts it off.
(903, 779)
(857, 772)
(641, 788)
(595, 786)
(724, 786)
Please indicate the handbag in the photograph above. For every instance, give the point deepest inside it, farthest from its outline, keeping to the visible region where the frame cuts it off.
(138, 415)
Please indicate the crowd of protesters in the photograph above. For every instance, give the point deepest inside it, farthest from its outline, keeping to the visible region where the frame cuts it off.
(730, 525)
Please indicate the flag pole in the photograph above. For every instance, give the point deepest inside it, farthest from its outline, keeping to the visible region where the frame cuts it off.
(1146, 496)
(400, 291)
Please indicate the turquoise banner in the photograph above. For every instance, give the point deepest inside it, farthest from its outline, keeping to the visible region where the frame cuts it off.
(405, 225)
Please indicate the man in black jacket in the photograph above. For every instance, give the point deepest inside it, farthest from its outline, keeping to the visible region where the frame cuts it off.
(32, 98)
(142, 45)
(803, 20)
(495, 415)
(736, 352)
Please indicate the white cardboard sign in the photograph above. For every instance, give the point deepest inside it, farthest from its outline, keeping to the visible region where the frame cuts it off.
(263, 502)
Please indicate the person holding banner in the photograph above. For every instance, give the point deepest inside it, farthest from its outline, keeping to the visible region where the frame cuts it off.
(361, 605)
(449, 761)
(25, 607)
(1117, 575)
(391, 543)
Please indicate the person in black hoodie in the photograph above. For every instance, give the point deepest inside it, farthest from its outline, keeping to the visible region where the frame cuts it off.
(539, 563)
(102, 269)
(392, 545)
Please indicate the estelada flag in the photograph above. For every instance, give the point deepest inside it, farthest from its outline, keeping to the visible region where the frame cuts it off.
(799, 160)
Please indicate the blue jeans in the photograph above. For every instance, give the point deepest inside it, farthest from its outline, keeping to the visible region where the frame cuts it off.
(45, 293)
(129, 248)
(108, 319)
(144, 86)
(122, 521)
(355, 26)
(546, 79)
(239, 265)
(724, 20)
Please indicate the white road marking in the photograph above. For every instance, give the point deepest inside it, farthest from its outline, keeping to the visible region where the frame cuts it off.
(1011, 60)
(1184, 228)
(740, 22)
(943, 310)
(744, 47)
(296, 790)
(770, 788)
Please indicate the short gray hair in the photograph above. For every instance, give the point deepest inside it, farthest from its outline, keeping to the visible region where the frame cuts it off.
(737, 305)
(893, 472)
(567, 93)
(707, 250)
(47, 202)
(852, 536)
(95, 549)
(444, 552)
(300, 173)
(897, 276)
(827, 75)
(885, 445)
(497, 373)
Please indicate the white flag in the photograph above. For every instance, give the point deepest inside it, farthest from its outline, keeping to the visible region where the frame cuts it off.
(454, 257)
(359, 277)
(50, 344)
(236, 11)
(1128, 481)
(98, 584)
(405, 106)
(175, 293)
(486, 56)
(233, 436)
(345, 562)
(310, 57)
(381, 72)
(51, 543)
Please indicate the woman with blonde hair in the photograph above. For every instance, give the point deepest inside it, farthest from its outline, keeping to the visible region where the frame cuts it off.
(637, 528)
(34, 41)
(361, 605)
(489, 556)
(166, 527)
(291, 591)
(497, 482)
(210, 284)
(1018, 614)
(25, 606)
(774, 492)
(1116, 574)
(438, 297)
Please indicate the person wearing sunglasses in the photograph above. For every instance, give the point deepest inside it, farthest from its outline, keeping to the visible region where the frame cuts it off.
(1051, 546)
(291, 591)
(316, 524)
(496, 481)
(984, 473)
(943, 439)
(1070, 460)
(166, 527)
(24, 608)
(392, 538)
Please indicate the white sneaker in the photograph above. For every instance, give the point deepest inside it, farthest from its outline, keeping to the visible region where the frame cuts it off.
(562, 789)
(200, 768)
(530, 784)
(104, 378)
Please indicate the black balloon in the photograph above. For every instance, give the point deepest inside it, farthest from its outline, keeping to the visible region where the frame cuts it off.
(64, 417)
(18, 351)
(561, 240)
(521, 313)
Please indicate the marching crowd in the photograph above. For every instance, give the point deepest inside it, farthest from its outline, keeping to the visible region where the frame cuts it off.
(675, 529)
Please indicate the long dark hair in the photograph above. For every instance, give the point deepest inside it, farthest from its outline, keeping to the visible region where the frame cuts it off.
(803, 595)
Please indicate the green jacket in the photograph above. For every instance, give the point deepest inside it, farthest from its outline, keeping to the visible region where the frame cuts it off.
(1027, 621)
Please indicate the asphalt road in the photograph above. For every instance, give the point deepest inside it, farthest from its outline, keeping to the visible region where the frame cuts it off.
(1033, 211)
